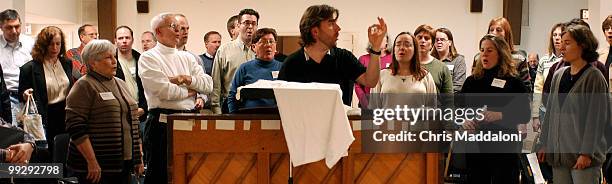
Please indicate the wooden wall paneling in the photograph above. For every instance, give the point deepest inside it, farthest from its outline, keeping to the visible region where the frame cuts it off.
(107, 18)
(513, 11)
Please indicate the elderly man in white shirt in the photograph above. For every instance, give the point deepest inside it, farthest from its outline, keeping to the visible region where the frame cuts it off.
(171, 80)
(14, 52)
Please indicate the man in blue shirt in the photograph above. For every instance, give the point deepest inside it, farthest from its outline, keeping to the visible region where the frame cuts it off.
(264, 67)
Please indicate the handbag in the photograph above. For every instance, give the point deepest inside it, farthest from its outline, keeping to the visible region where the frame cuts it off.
(32, 121)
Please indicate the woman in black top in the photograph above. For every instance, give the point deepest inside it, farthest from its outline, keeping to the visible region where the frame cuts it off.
(48, 79)
(505, 109)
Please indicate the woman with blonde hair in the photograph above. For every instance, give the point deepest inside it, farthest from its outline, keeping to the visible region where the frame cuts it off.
(497, 162)
(501, 27)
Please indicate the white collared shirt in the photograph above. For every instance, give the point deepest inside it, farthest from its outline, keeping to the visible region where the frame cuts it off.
(11, 58)
(161, 62)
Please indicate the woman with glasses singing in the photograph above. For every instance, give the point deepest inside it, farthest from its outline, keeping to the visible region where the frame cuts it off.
(446, 52)
(263, 67)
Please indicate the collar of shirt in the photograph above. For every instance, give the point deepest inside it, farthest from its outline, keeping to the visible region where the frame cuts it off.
(208, 55)
(4, 43)
(241, 44)
(164, 49)
(308, 57)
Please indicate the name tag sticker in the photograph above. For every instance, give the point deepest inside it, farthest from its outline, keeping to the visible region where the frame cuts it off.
(450, 67)
(498, 83)
(163, 118)
(274, 74)
(107, 96)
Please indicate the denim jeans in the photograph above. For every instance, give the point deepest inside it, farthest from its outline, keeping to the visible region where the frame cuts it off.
(15, 108)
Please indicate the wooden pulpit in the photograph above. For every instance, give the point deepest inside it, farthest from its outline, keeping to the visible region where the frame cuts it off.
(249, 148)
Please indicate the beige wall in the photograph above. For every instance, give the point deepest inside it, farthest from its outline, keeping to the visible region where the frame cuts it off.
(543, 14)
(599, 9)
(206, 15)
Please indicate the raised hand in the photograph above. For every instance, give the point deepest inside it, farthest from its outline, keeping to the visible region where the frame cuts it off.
(377, 33)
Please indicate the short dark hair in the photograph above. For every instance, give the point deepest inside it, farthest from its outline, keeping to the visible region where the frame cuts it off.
(577, 21)
(427, 29)
(606, 23)
(231, 24)
(152, 34)
(124, 26)
(312, 17)
(247, 11)
(585, 38)
(9, 14)
(82, 28)
(207, 35)
(263, 32)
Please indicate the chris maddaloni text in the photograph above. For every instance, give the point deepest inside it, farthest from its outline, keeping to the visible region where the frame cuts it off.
(429, 136)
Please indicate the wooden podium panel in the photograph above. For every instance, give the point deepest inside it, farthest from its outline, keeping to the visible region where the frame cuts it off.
(252, 149)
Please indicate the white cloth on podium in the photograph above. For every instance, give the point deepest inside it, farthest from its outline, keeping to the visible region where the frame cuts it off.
(314, 120)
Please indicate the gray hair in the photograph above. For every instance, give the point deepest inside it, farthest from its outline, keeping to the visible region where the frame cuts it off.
(9, 14)
(157, 20)
(94, 50)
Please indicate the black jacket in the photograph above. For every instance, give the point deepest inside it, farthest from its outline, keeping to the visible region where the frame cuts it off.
(142, 101)
(5, 100)
(32, 75)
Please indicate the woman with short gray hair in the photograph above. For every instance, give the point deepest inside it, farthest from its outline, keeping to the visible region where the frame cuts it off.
(101, 118)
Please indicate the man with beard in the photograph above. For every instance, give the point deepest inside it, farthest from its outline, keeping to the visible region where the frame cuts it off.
(230, 56)
(319, 60)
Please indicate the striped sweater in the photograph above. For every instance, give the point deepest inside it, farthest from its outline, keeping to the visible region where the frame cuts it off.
(109, 121)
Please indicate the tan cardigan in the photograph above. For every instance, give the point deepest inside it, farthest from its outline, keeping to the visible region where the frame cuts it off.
(110, 122)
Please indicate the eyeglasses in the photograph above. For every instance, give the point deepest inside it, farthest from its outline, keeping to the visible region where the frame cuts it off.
(267, 42)
(404, 44)
(249, 23)
(172, 27)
